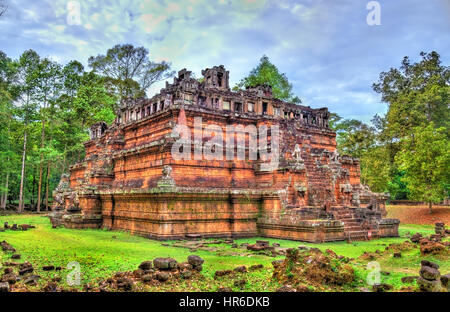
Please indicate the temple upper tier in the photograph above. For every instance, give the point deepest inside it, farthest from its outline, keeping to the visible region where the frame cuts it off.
(213, 92)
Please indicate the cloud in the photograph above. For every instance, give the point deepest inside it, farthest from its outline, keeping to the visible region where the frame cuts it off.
(326, 48)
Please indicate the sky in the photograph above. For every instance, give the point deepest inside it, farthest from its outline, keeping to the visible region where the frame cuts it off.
(327, 48)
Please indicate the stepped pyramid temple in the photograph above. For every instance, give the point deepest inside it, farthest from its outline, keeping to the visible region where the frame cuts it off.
(131, 179)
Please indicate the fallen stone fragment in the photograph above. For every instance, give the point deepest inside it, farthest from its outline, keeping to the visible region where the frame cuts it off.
(241, 269)
(381, 287)
(9, 278)
(397, 254)
(146, 265)
(445, 280)
(286, 288)
(195, 260)
(408, 279)
(147, 278)
(256, 267)
(8, 270)
(164, 263)
(416, 238)
(31, 280)
(186, 274)
(428, 286)
(429, 264)
(25, 268)
(48, 267)
(162, 276)
(429, 273)
(224, 289)
(53, 287)
(7, 247)
(125, 283)
(4, 287)
(16, 256)
(198, 268)
(222, 273)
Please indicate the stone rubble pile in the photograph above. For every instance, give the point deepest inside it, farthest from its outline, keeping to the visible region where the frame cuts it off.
(159, 270)
(430, 279)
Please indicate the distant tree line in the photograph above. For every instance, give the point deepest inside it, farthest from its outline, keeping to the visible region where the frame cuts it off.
(46, 109)
(406, 151)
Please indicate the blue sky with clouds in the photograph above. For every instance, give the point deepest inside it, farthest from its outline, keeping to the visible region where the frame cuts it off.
(326, 48)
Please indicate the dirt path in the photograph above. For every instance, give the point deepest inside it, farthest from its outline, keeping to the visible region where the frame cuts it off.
(419, 214)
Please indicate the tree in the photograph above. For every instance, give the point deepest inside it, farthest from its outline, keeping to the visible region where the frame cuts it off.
(354, 137)
(47, 79)
(7, 95)
(268, 73)
(129, 70)
(415, 93)
(425, 161)
(27, 64)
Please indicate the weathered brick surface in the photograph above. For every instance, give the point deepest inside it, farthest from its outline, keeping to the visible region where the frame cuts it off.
(129, 179)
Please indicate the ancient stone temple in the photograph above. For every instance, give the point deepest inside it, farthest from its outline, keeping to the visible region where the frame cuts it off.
(131, 179)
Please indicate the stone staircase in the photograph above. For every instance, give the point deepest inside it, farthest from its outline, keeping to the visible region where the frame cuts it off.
(352, 226)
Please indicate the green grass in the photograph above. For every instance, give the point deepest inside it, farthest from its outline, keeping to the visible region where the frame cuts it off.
(102, 253)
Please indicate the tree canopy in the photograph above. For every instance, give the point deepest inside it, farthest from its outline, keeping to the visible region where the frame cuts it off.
(129, 70)
(267, 73)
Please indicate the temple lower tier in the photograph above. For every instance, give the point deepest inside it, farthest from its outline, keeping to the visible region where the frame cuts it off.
(166, 213)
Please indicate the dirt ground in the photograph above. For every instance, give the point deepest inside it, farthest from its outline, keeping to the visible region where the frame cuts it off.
(419, 214)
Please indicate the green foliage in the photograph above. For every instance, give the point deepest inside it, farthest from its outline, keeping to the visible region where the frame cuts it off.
(417, 95)
(268, 73)
(425, 160)
(354, 137)
(128, 70)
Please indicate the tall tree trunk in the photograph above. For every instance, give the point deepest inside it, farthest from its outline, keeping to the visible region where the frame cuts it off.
(430, 210)
(5, 195)
(22, 175)
(47, 188)
(41, 167)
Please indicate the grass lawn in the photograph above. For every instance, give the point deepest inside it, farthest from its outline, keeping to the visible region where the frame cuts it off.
(102, 253)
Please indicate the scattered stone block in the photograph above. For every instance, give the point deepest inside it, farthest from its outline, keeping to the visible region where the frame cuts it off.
(7, 247)
(162, 276)
(256, 267)
(25, 268)
(31, 280)
(147, 278)
(429, 273)
(195, 260)
(125, 283)
(146, 265)
(164, 263)
(445, 281)
(48, 267)
(382, 287)
(222, 273)
(16, 256)
(4, 287)
(428, 286)
(241, 269)
(408, 279)
(286, 288)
